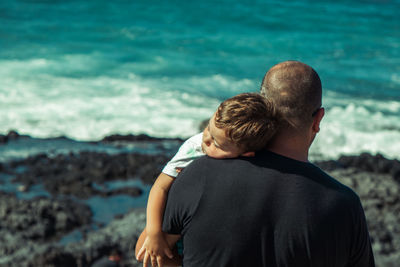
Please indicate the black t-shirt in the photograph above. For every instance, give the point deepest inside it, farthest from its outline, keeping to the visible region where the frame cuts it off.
(268, 210)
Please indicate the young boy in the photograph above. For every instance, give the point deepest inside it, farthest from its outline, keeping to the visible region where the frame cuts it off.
(241, 125)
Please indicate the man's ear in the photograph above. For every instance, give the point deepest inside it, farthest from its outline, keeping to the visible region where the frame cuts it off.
(248, 154)
(317, 120)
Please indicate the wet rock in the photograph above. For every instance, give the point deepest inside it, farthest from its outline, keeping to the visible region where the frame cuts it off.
(131, 191)
(55, 257)
(74, 174)
(365, 162)
(41, 218)
(135, 138)
(3, 139)
(29, 229)
(121, 235)
(12, 135)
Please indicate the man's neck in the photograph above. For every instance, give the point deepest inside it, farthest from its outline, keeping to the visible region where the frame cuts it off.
(289, 146)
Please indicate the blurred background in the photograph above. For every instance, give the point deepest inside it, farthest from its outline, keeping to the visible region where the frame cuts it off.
(88, 69)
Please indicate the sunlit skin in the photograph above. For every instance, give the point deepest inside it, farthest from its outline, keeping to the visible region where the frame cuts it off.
(216, 143)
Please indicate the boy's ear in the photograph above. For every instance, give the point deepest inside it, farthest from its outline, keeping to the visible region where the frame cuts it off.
(248, 154)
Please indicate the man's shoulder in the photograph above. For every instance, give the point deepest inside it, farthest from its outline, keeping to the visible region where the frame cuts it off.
(206, 165)
(203, 163)
(337, 188)
(311, 175)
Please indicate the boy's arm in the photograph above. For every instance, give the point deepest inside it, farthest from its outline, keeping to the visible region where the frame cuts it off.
(154, 242)
(154, 245)
(156, 203)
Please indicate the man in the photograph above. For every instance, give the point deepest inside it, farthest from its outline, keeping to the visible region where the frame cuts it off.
(274, 209)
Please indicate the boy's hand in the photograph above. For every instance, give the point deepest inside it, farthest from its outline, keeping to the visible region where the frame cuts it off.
(154, 249)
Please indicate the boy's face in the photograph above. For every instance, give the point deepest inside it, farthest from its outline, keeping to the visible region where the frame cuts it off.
(216, 144)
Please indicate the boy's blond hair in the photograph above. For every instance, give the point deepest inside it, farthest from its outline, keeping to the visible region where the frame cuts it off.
(249, 120)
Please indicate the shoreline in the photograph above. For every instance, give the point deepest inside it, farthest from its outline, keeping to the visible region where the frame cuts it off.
(52, 195)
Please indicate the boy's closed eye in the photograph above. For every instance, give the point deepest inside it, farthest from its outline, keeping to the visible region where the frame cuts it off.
(216, 144)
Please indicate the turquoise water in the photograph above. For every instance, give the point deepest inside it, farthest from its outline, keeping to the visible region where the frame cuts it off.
(86, 69)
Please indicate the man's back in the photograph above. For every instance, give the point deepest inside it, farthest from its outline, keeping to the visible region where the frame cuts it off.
(266, 211)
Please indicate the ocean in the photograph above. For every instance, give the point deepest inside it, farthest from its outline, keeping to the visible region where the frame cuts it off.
(88, 69)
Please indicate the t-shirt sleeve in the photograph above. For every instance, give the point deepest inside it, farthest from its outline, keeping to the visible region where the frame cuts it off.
(189, 151)
(183, 199)
(361, 251)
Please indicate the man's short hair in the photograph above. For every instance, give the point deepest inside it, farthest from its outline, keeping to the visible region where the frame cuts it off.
(249, 120)
(295, 89)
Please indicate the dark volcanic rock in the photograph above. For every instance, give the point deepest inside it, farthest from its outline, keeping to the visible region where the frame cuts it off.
(364, 162)
(3, 139)
(55, 257)
(11, 135)
(131, 191)
(75, 174)
(121, 235)
(368, 162)
(30, 229)
(135, 138)
(41, 218)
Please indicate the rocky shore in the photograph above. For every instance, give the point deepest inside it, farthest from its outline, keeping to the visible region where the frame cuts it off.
(46, 217)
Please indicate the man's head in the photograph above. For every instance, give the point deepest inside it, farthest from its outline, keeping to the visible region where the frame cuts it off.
(296, 91)
(241, 125)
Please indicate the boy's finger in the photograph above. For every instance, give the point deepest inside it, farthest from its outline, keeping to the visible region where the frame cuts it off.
(153, 261)
(140, 253)
(168, 252)
(160, 261)
(146, 259)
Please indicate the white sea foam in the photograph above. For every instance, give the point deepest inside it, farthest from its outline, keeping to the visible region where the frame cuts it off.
(89, 109)
(35, 102)
(353, 126)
